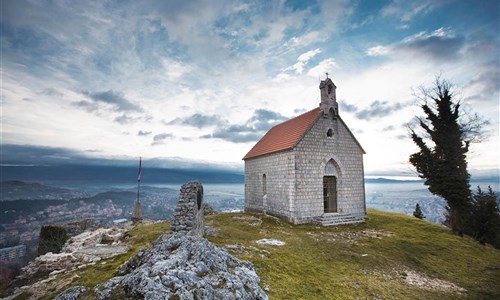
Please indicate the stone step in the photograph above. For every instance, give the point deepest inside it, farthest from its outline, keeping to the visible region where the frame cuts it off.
(338, 219)
(341, 223)
(338, 216)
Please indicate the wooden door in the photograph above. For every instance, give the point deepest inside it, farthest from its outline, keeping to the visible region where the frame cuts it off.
(330, 193)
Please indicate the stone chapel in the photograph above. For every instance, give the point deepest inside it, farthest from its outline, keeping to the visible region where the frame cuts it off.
(309, 168)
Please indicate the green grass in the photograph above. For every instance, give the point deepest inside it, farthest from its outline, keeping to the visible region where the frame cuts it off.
(365, 261)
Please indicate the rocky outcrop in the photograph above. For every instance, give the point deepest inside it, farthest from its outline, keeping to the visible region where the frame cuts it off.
(86, 248)
(183, 264)
(180, 266)
(72, 293)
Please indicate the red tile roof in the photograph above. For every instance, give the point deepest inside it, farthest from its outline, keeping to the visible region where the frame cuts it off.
(285, 135)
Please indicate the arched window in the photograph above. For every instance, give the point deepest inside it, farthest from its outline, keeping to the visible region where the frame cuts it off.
(331, 111)
(329, 133)
(331, 168)
(264, 185)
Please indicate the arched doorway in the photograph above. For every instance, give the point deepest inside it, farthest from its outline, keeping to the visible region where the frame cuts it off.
(330, 192)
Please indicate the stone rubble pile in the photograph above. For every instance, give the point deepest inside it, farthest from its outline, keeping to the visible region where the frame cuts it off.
(100, 236)
(86, 248)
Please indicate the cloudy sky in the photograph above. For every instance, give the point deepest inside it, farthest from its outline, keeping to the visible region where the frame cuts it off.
(202, 81)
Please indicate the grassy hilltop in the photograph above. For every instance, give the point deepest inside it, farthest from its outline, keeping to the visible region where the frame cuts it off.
(390, 256)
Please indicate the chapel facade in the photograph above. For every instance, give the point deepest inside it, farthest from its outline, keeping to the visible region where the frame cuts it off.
(309, 168)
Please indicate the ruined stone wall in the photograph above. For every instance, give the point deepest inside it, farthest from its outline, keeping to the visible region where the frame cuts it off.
(312, 154)
(188, 215)
(280, 188)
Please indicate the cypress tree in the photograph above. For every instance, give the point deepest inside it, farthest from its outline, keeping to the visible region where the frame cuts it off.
(485, 223)
(442, 162)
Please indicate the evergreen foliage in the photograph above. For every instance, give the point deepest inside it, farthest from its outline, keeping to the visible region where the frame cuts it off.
(442, 162)
(418, 212)
(52, 239)
(485, 223)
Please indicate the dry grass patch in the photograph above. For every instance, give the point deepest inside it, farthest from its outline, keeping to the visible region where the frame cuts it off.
(248, 220)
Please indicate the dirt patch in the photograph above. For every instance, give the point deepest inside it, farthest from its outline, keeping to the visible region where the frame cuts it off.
(38, 289)
(416, 279)
(422, 281)
(246, 250)
(271, 242)
(349, 236)
(249, 220)
(103, 251)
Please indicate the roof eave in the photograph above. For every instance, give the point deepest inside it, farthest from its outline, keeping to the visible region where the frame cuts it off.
(269, 153)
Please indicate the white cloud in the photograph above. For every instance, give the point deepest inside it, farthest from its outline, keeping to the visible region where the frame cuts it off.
(408, 10)
(302, 60)
(378, 51)
(305, 57)
(325, 66)
(175, 69)
(306, 39)
(441, 44)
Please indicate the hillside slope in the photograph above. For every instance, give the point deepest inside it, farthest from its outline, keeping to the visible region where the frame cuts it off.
(390, 256)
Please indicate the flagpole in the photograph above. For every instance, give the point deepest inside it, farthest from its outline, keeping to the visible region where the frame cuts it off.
(138, 188)
(139, 179)
(137, 215)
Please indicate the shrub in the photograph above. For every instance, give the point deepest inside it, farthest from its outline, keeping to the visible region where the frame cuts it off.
(52, 239)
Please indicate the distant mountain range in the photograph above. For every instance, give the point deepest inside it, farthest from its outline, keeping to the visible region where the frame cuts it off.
(15, 189)
(56, 174)
(115, 174)
(385, 180)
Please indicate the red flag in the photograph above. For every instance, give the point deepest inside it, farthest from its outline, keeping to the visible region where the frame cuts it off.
(140, 169)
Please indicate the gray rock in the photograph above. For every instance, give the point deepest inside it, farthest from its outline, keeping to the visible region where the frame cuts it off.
(72, 293)
(186, 267)
(210, 231)
(103, 291)
(208, 210)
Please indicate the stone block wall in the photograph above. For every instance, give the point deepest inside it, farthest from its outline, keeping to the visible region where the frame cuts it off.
(294, 178)
(188, 215)
(280, 187)
(312, 154)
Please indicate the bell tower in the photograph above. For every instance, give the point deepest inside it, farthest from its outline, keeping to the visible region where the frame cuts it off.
(328, 102)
